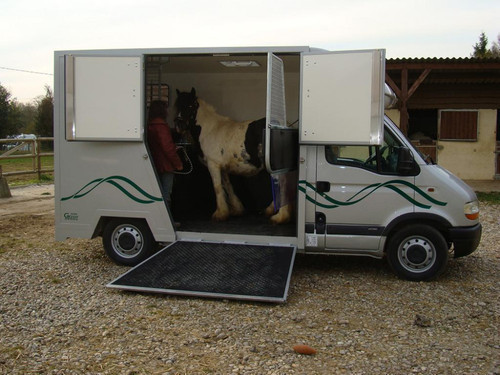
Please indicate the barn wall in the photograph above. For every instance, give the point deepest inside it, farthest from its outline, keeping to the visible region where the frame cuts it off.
(469, 160)
(393, 114)
(473, 160)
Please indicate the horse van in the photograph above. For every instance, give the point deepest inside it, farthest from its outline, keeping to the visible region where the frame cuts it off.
(285, 149)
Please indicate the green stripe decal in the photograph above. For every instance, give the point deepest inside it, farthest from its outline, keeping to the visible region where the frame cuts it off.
(123, 184)
(304, 186)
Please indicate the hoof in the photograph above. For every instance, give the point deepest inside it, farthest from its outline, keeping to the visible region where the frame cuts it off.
(269, 210)
(220, 216)
(283, 216)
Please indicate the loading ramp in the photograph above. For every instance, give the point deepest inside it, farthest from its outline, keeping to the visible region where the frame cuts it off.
(214, 270)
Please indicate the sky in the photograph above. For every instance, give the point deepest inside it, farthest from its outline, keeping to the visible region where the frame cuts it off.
(31, 30)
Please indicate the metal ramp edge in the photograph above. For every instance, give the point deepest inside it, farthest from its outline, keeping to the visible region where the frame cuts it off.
(252, 272)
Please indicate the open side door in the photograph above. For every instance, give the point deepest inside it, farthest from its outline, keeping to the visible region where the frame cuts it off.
(342, 97)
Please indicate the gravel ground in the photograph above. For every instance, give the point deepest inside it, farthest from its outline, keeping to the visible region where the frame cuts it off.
(57, 317)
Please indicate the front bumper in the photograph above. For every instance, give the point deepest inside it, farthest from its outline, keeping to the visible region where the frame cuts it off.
(465, 239)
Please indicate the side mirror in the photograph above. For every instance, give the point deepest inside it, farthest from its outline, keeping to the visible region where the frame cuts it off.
(406, 163)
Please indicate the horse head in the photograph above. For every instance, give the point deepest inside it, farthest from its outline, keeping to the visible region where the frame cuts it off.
(186, 105)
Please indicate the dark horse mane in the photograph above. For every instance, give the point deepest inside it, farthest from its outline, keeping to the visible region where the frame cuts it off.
(187, 105)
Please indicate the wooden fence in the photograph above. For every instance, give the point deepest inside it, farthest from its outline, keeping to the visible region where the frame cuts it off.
(31, 149)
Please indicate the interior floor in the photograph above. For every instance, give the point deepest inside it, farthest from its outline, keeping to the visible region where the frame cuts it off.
(248, 224)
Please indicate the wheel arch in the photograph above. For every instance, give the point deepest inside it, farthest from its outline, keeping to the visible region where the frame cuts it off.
(104, 220)
(436, 221)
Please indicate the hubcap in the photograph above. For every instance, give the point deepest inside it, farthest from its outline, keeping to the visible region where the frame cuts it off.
(127, 240)
(417, 254)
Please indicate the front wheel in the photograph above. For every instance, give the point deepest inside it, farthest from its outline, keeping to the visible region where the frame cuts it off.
(127, 241)
(417, 252)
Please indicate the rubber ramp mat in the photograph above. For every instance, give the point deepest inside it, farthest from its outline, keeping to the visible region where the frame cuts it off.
(219, 270)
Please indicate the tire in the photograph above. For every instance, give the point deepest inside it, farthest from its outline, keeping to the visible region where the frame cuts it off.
(128, 241)
(417, 253)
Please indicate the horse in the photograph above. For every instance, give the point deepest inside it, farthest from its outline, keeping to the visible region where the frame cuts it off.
(226, 147)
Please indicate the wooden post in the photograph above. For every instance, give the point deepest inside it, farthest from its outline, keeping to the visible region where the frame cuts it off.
(404, 93)
(38, 151)
(404, 99)
(4, 186)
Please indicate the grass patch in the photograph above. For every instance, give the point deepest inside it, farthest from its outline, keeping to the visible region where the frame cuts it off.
(26, 165)
(491, 197)
(29, 179)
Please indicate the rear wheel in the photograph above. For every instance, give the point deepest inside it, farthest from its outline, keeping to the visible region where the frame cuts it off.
(128, 241)
(417, 252)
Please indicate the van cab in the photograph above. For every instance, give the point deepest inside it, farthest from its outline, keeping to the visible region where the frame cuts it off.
(388, 200)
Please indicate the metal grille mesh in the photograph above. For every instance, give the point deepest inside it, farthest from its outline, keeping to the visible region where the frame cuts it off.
(277, 111)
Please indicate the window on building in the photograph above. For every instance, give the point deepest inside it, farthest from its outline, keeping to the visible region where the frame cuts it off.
(422, 124)
(458, 125)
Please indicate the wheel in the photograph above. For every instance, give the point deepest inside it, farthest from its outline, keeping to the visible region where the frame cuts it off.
(417, 252)
(128, 241)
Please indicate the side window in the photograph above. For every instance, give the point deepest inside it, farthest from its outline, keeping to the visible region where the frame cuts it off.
(381, 159)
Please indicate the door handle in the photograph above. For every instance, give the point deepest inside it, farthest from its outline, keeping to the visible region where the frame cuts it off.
(322, 186)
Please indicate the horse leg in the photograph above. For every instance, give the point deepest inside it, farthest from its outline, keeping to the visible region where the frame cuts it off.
(285, 212)
(236, 207)
(222, 211)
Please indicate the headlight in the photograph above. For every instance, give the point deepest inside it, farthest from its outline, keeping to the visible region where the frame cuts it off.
(471, 210)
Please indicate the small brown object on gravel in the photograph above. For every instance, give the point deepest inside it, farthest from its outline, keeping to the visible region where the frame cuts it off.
(304, 349)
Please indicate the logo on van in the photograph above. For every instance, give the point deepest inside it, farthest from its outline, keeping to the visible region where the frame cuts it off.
(71, 216)
(123, 184)
(305, 186)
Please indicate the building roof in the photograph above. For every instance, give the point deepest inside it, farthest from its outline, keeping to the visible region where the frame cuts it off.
(445, 82)
(446, 60)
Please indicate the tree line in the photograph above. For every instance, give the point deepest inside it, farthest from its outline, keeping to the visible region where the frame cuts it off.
(33, 118)
(481, 49)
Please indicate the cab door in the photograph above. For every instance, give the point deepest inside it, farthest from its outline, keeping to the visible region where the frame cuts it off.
(342, 103)
(359, 191)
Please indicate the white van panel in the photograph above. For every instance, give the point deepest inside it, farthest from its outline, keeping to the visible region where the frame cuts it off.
(342, 97)
(103, 98)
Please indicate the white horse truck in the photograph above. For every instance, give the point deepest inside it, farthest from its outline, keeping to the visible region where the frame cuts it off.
(358, 186)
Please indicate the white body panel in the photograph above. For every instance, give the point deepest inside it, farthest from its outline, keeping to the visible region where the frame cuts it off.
(343, 88)
(103, 98)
